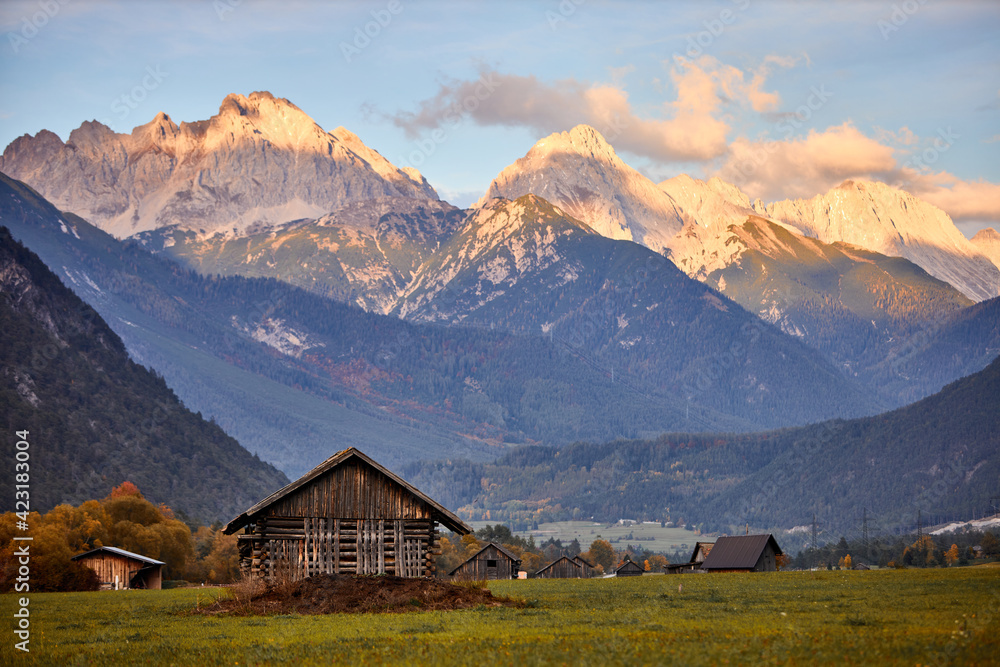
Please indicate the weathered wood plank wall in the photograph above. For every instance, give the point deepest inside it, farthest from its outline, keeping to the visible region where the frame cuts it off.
(291, 547)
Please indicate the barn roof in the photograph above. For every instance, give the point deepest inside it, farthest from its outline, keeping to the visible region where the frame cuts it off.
(583, 561)
(569, 560)
(441, 515)
(498, 547)
(739, 552)
(119, 552)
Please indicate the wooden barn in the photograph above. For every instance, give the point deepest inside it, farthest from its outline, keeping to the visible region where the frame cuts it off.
(698, 556)
(629, 569)
(118, 569)
(586, 567)
(743, 553)
(346, 515)
(563, 567)
(490, 562)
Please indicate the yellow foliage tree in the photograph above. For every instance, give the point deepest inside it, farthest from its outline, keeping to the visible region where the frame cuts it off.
(657, 563)
(51, 567)
(951, 555)
(470, 545)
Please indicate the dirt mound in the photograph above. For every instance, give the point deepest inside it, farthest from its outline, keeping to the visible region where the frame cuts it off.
(349, 593)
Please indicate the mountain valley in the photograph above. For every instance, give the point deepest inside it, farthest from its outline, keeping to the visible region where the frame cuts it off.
(307, 295)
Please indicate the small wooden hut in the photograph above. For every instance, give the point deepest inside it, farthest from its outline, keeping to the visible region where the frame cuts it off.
(348, 514)
(563, 567)
(491, 562)
(743, 553)
(118, 569)
(587, 568)
(629, 569)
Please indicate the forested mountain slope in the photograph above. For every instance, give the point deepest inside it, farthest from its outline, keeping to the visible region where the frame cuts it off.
(94, 418)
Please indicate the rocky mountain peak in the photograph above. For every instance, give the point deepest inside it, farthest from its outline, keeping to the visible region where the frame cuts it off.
(259, 162)
(884, 219)
(987, 241)
(582, 139)
(579, 172)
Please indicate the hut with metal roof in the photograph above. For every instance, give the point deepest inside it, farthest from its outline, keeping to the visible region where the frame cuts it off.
(347, 515)
(629, 569)
(118, 569)
(743, 553)
(493, 561)
(563, 567)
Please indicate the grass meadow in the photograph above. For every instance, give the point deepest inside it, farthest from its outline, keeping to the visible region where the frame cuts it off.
(886, 617)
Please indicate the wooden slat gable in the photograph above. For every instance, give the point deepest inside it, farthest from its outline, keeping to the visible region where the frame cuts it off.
(349, 485)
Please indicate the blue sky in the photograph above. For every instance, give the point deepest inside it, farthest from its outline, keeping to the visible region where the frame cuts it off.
(785, 99)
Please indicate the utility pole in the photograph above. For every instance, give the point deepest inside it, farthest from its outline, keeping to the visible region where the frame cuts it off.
(920, 527)
(864, 533)
(815, 543)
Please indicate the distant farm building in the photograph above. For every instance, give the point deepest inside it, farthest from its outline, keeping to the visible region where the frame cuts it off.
(586, 567)
(698, 556)
(118, 569)
(491, 562)
(346, 515)
(743, 553)
(563, 567)
(629, 569)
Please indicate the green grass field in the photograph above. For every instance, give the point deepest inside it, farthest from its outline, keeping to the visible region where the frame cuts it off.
(663, 539)
(886, 617)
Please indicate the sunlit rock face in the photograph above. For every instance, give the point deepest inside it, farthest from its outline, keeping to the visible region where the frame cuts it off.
(987, 241)
(877, 217)
(580, 172)
(260, 161)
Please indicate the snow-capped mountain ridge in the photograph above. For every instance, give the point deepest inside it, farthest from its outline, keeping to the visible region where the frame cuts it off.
(688, 219)
(580, 172)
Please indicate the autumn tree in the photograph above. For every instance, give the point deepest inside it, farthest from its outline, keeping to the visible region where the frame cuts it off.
(952, 555)
(137, 525)
(449, 558)
(51, 566)
(216, 557)
(602, 553)
(657, 562)
(990, 544)
(470, 545)
(781, 561)
(125, 489)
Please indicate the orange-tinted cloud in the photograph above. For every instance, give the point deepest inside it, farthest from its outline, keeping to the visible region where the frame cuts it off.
(805, 166)
(802, 167)
(962, 200)
(692, 126)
